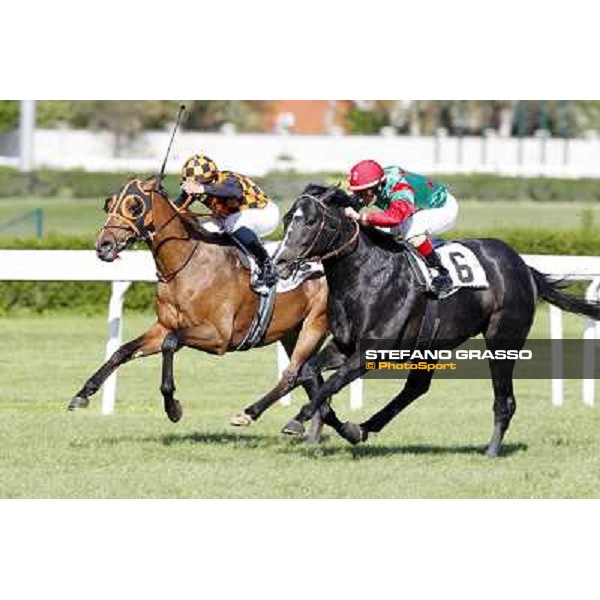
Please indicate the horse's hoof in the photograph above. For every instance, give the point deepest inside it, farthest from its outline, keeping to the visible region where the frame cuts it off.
(241, 420)
(353, 433)
(78, 402)
(293, 428)
(492, 452)
(174, 411)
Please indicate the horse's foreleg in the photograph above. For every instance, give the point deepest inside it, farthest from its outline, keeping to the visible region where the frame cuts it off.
(146, 345)
(349, 371)
(167, 387)
(325, 415)
(416, 385)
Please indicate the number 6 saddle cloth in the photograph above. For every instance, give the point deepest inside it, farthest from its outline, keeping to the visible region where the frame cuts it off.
(462, 264)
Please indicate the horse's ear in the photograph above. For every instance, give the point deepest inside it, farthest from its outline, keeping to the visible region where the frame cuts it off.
(109, 203)
(149, 183)
(314, 189)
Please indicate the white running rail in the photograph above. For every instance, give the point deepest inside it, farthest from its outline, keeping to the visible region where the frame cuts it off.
(83, 265)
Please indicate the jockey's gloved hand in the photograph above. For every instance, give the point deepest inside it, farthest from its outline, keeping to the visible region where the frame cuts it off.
(355, 202)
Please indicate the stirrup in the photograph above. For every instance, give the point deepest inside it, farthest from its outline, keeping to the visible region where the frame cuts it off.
(267, 276)
(266, 279)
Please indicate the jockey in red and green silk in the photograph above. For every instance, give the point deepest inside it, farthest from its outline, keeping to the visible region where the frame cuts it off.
(412, 206)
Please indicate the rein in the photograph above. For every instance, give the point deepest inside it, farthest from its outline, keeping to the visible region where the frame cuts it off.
(146, 232)
(170, 276)
(304, 257)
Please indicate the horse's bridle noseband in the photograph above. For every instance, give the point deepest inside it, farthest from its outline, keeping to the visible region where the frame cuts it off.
(143, 224)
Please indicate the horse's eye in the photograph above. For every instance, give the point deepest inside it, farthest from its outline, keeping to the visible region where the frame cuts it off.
(132, 207)
(136, 208)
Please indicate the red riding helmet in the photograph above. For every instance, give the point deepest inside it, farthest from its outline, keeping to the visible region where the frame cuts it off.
(364, 175)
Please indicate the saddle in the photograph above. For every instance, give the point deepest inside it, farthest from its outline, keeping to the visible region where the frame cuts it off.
(207, 228)
(209, 231)
(463, 266)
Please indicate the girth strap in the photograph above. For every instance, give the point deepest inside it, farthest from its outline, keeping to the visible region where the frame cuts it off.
(429, 326)
(261, 321)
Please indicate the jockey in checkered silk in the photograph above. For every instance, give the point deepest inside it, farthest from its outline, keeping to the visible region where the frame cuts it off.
(413, 206)
(239, 206)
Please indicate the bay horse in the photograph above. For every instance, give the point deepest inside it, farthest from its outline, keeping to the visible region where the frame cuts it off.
(374, 294)
(204, 299)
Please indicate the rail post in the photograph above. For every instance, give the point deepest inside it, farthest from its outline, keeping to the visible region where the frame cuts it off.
(115, 329)
(556, 335)
(589, 347)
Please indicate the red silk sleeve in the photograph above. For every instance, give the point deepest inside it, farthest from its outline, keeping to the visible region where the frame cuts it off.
(397, 212)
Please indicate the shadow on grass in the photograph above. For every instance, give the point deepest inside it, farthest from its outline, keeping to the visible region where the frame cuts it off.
(241, 440)
(287, 445)
(219, 438)
(208, 438)
(377, 451)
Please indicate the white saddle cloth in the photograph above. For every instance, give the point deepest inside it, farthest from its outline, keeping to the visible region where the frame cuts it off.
(462, 264)
(283, 285)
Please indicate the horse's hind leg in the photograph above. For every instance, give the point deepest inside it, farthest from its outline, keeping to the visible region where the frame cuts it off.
(507, 329)
(504, 402)
(300, 345)
(146, 345)
(167, 387)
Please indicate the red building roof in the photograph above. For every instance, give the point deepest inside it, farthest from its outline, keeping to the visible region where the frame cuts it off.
(307, 116)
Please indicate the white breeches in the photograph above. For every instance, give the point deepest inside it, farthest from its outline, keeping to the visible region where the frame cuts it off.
(262, 221)
(429, 221)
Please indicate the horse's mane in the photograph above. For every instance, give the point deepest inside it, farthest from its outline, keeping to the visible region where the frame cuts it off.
(338, 197)
(382, 240)
(333, 195)
(193, 225)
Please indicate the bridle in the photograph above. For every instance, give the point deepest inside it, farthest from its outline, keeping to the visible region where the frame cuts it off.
(142, 224)
(306, 256)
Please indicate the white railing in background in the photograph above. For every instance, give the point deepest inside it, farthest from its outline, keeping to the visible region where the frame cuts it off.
(83, 265)
(571, 268)
(134, 266)
(256, 154)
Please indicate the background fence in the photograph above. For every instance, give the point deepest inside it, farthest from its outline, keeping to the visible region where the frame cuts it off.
(258, 154)
(83, 265)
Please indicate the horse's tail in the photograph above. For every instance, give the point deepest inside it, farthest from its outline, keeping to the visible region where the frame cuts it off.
(550, 291)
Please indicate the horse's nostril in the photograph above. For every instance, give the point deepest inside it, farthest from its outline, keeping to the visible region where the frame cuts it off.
(104, 246)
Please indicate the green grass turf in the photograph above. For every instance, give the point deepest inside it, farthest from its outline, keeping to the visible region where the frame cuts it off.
(61, 216)
(84, 217)
(434, 449)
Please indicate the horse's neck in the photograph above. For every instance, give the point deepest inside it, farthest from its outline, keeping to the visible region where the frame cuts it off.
(343, 273)
(173, 243)
(171, 238)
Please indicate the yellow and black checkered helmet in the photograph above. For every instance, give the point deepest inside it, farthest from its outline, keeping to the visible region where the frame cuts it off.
(199, 168)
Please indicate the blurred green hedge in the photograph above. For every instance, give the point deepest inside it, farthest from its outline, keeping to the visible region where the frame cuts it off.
(289, 184)
(92, 298)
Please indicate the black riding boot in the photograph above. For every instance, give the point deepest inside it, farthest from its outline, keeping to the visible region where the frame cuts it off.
(249, 240)
(442, 282)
